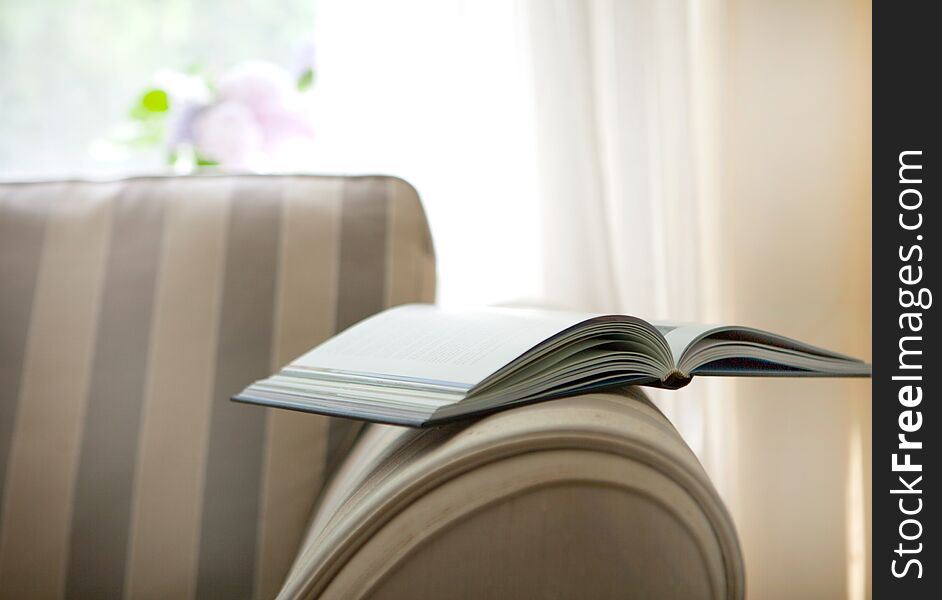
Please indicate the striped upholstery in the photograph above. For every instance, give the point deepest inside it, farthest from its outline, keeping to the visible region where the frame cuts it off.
(129, 312)
(592, 496)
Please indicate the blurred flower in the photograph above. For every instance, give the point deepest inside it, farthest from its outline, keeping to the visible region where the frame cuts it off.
(258, 112)
(262, 87)
(180, 125)
(228, 133)
(256, 117)
(188, 94)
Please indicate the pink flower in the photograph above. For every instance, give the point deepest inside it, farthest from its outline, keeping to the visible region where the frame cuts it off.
(262, 87)
(288, 125)
(259, 119)
(229, 134)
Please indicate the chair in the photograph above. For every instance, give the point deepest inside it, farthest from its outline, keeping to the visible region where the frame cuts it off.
(131, 310)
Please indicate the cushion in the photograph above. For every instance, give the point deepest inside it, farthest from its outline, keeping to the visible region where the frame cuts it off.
(129, 312)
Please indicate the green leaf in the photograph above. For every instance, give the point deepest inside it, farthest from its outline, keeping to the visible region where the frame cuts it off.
(155, 101)
(306, 80)
(202, 161)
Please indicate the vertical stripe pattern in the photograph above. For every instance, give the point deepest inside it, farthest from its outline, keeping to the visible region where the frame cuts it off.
(177, 401)
(112, 417)
(362, 286)
(306, 301)
(237, 432)
(363, 223)
(22, 230)
(129, 313)
(407, 238)
(37, 509)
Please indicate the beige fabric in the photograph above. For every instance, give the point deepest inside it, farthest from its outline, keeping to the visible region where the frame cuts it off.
(593, 496)
(129, 312)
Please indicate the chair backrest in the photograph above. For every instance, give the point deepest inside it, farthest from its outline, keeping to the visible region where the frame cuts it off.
(129, 312)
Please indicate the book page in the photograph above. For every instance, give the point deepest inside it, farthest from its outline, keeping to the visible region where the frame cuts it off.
(434, 345)
(748, 345)
(680, 335)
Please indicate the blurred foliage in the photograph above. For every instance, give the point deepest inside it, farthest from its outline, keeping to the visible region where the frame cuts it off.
(152, 102)
(306, 80)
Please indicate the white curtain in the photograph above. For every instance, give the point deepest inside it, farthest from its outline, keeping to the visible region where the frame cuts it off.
(618, 171)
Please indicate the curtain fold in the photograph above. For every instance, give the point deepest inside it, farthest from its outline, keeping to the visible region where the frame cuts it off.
(617, 170)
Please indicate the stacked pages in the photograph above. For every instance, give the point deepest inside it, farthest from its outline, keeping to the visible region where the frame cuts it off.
(420, 364)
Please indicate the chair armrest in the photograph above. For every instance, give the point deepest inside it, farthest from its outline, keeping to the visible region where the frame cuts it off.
(587, 496)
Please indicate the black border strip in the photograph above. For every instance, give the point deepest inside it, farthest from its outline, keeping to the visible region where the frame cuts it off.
(906, 115)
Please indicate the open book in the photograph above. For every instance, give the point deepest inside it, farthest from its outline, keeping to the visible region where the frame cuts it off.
(419, 364)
